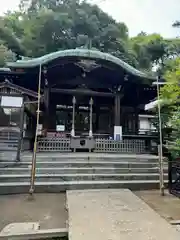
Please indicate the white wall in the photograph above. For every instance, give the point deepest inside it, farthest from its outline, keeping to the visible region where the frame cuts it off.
(145, 123)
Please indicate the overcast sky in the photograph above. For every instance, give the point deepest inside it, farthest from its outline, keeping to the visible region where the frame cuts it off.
(139, 15)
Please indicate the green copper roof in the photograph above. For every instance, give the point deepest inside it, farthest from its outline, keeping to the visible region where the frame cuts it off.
(84, 53)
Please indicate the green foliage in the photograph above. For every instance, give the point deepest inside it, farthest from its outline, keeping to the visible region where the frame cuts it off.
(5, 55)
(10, 40)
(170, 111)
(44, 26)
(174, 141)
(171, 90)
(153, 50)
(54, 25)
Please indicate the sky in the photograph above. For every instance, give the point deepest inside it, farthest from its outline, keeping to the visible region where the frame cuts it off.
(150, 16)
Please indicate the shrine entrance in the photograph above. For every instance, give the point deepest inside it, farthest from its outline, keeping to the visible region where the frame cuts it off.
(64, 119)
(90, 116)
(13, 101)
(82, 121)
(9, 127)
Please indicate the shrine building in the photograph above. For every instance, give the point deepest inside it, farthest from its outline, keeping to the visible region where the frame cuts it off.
(89, 100)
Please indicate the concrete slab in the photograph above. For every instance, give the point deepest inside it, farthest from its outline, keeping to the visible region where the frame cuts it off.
(20, 228)
(36, 234)
(114, 214)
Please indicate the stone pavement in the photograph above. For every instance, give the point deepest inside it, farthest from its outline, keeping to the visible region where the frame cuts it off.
(113, 215)
(167, 206)
(49, 210)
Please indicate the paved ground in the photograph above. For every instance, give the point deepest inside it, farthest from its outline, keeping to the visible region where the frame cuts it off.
(167, 206)
(48, 209)
(114, 214)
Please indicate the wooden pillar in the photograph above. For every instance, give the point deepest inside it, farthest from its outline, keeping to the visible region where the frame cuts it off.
(46, 103)
(117, 118)
(73, 117)
(46, 99)
(136, 121)
(137, 110)
(111, 121)
(117, 108)
(52, 117)
(20, 140)
(91, 116)
(97, 119)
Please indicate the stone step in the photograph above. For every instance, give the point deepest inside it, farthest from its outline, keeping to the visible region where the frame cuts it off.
(8, 148)
(60, 186)
(92, 155)
(8, 145)
(81, 177)
(8, 140)
(90, 160)
(8, 156)
(73, 170)
(79, 158)
(74, 163)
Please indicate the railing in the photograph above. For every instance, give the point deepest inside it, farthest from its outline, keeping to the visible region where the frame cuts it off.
(54, 144)
(142, 131)
(62, 144)
(174, 176)
(9, 138)
(124, 146)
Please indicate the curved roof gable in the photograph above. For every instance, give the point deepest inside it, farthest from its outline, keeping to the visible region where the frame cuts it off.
(84, 53)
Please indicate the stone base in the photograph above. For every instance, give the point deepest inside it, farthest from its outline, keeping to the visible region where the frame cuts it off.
(20, 228)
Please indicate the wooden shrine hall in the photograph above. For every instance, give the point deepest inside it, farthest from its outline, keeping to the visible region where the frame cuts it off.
(89, 101)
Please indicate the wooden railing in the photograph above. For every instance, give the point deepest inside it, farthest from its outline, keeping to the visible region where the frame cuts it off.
(62, 144)
(56, 144)
(124, 146)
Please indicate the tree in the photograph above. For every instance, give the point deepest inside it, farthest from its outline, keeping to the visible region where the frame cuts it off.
(170, 93)
(55, 25)
(171, 90)
(10, 40)
(44, 26)
(14, 22)
(5, 55)
(150, 50)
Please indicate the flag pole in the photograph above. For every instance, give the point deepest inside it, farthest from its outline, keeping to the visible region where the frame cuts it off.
(33, 167)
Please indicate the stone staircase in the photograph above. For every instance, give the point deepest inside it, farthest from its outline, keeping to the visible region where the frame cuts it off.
(60, 172)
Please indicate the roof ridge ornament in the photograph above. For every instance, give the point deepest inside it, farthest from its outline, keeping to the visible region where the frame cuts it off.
(87, 65)
(6, 81)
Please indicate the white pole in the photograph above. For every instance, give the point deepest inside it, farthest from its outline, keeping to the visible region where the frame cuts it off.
(160, 151)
